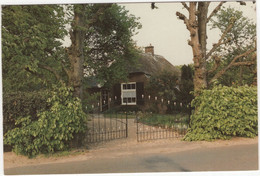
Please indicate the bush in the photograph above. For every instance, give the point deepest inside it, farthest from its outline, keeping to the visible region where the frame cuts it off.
(22, 104)
(53, 129)
(224, 112)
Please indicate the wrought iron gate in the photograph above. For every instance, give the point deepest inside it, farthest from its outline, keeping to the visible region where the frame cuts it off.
(105, 127)
(146, 131)
(109, 125)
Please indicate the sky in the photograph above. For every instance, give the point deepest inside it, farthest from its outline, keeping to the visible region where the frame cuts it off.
(162, 29)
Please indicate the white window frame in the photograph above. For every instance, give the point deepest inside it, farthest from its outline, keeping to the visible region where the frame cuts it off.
(128, 90)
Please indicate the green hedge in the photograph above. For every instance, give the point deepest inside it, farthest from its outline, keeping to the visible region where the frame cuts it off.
(52, 130)
(22, 104)
(224, 112)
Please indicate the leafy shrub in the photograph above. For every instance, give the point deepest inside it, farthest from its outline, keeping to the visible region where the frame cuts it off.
(22, 104)
(224, 112)
(53, 129)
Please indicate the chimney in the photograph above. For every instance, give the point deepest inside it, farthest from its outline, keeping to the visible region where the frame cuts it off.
(149, 49)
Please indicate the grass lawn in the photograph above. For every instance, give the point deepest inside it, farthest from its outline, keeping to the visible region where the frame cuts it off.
(180, 120)
(165, 120)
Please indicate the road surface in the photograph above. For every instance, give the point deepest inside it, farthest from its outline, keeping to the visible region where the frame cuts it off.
(231, 158)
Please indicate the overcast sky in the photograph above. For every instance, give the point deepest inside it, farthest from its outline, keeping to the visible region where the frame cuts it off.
(169, 35)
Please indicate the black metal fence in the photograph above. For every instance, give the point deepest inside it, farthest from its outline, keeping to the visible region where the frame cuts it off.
(173, 123)
(108, 120)
(149, 131)
(106, 126)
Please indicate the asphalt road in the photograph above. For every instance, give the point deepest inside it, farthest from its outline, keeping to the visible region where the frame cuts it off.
(234, 158)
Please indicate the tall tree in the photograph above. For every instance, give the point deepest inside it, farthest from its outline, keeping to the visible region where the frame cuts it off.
(108, 44)
(32, 40)
(196, 23)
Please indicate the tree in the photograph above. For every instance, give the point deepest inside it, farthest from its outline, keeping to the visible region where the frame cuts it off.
(100, 36)
(31, 45)
(163, 85)
(197, 23)
(241, 38)
(108, 43)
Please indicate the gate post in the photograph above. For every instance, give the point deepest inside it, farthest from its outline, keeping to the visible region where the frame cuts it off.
(126, 124)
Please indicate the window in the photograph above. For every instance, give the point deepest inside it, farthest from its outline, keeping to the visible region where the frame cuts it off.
(128, 91)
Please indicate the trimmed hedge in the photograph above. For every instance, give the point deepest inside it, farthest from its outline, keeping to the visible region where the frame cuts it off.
(22, 104)
(224, 112)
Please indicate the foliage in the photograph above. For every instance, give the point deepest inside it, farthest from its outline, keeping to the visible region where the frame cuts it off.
(35, 59)
(163, 85)
(54, 128)
(186, 85)
(22, 104)
(31, 37)
(169, 87)
(241, 38)
(243, 32)
(224, 112)
(109, 45)
(33, 54)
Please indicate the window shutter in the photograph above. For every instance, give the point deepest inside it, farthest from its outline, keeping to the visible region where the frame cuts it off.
(139, 93)
(117, 93)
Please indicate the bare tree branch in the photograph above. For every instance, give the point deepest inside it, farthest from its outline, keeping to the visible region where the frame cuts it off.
(246, 63)
(216, 64)
(215, 46)
(231, 64)
(184, 18)
(185, 6)
(215, 10)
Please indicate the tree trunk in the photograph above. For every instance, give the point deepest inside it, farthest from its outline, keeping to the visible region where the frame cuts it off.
(75, 53)
(202, 24)
(198, 43)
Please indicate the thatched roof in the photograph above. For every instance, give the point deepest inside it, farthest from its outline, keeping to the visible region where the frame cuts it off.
(153, 65)
(146, 63)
